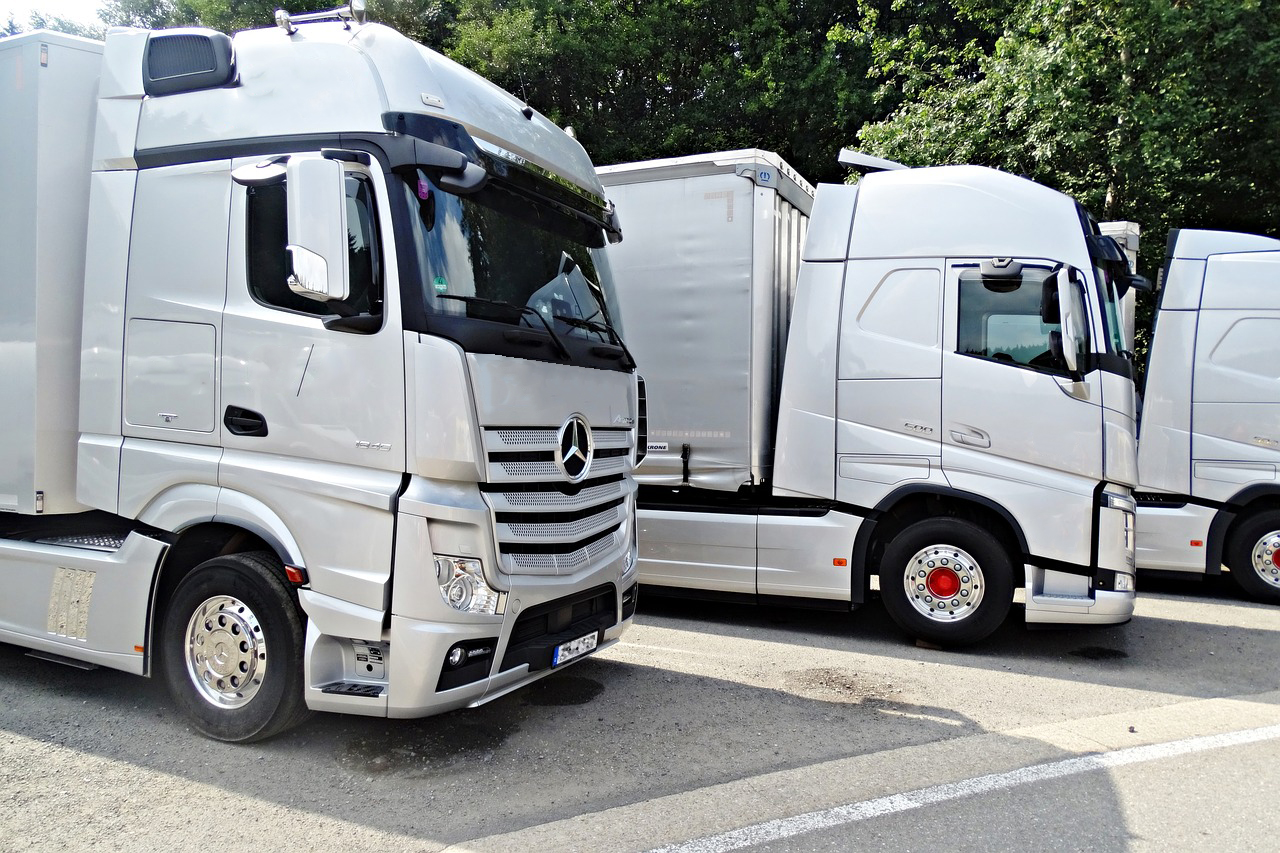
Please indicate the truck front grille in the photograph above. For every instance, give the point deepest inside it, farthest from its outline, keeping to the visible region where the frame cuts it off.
(545, 524)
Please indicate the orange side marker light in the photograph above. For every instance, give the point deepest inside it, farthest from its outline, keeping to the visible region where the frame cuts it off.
(840, 561)
(1197, 543)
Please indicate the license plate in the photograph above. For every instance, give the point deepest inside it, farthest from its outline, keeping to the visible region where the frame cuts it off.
(566, 652)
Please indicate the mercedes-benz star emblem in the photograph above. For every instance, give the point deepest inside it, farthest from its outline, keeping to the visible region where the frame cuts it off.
(575, 448)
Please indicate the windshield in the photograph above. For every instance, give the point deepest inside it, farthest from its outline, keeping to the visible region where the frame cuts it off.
(497, 256)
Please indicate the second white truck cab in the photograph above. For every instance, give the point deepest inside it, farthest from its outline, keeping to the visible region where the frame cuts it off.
(922, 376)
(1209, 453)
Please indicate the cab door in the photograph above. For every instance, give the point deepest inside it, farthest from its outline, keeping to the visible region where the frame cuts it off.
(318, 381)
(1019, 425)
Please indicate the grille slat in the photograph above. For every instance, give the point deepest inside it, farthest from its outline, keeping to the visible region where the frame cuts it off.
(572, 531)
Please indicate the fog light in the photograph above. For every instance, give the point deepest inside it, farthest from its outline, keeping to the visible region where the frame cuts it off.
(1125, 583)
(456, 656)
(463, 587)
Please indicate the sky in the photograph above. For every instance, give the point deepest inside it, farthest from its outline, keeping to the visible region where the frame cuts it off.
(82, 11)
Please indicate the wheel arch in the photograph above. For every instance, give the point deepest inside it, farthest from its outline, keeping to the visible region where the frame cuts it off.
(916, 502)
(1242, 507)
(208, 522)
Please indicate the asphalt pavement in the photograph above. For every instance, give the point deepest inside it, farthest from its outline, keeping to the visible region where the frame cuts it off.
(710, 727)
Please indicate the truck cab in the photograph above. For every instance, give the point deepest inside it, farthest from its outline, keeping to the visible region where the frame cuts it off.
(920, 378)
(318, 404)
(1210, 432)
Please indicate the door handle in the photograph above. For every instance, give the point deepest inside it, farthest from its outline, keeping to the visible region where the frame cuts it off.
(971, 436)
(240, 421)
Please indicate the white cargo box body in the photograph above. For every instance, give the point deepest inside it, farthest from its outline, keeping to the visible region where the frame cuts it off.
(48, 86)
(705, 277)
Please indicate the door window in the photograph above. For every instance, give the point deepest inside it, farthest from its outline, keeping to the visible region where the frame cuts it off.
(268, 262)
(1000, 320)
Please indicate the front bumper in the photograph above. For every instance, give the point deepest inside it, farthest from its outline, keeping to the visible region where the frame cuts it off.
(420, 678)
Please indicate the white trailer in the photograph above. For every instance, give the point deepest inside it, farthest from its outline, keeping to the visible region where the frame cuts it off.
(921, 376)
(311, 397)
(1209, 454)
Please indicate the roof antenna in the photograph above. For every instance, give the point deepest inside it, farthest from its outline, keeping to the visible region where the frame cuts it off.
(526, 110)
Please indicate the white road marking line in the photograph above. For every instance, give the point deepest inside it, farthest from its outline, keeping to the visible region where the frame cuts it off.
(777, 830)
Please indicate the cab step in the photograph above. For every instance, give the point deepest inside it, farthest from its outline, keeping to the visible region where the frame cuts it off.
(354, 688)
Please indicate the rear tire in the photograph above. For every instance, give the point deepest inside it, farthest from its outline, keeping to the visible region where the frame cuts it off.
(231, 648)
(946, 581)
(1254, 557)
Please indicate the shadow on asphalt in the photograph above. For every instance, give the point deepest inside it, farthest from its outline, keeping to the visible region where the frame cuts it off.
(606, 732)
(1147, 653)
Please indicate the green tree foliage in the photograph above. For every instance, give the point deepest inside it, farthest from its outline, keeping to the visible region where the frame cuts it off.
(1159, 111)
(650, 79)
(43, 21)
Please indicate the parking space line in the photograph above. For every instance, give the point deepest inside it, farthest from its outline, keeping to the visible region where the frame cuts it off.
(783, 828)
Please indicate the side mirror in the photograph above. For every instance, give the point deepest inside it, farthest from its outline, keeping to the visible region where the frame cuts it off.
(317, 244)
(1074, 319)
(1133, 281)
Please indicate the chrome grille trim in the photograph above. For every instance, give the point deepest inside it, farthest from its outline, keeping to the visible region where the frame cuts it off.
(534, 486)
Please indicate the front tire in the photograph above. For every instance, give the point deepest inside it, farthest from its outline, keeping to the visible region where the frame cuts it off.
(231, 649)
(1254, 557)
(946, 581)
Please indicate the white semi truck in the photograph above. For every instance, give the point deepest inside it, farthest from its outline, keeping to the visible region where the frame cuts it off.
(311, 400)
(922, 376)
(1209, 454)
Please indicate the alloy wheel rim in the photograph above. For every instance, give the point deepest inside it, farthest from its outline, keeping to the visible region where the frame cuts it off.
(226, 652)
(1266, 558)
(944, 583)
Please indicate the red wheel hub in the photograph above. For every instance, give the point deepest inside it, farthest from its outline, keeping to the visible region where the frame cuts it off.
(1275, 559)
(943, 582)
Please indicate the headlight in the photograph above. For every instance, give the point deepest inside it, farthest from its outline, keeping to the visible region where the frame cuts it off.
(463, 587)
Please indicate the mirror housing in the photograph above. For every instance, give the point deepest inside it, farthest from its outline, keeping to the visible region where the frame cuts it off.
(317, 247)
(1133, 281)
(1074, 319)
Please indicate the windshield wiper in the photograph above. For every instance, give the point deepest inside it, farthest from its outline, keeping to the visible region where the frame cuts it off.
(521, 310)
(600, 329)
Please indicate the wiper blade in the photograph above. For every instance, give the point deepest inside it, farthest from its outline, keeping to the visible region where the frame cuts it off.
(521, 310)
(600, 329)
